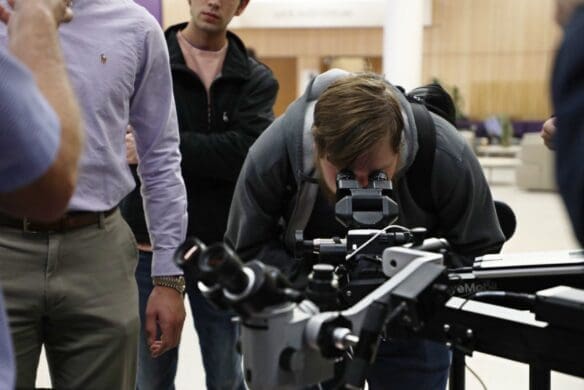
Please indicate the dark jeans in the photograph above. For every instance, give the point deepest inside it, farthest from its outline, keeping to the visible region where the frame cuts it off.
(405, 365)
(217, 338)
(409, 365)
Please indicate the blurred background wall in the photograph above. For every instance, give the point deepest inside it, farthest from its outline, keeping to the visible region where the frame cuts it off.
(496, 52)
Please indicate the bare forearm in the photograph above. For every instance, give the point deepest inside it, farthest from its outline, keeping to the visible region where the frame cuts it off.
(33, 39)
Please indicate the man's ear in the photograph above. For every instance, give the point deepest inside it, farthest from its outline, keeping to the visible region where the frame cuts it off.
(242, 6)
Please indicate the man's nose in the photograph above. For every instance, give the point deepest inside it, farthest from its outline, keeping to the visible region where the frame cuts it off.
(363, 180)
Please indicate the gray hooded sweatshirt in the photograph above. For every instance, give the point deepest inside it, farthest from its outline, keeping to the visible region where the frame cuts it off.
(283, 156)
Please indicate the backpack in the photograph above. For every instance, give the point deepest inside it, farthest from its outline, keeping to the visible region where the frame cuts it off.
(434, 98)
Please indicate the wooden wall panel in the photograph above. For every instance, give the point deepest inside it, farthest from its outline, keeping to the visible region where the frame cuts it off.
(284, 69)
(485, 47)
(319, 42)
(174, 11)
(498, 52)
(311, 47)
(500, 97)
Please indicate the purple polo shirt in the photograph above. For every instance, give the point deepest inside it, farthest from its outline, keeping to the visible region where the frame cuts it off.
(117, 60)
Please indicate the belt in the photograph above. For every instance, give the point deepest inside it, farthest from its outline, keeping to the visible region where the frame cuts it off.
(70, 221)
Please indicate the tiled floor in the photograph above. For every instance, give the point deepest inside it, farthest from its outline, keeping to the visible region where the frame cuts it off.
(542, 225)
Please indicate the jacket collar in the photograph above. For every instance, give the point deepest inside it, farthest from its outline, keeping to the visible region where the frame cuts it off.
(236, 66)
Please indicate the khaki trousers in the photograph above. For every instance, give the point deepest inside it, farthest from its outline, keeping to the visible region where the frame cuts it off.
(76, 294)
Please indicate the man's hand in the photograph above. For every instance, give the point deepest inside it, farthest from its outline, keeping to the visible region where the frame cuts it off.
(548, 131)
(166, 310)
(60, 9)
(131, 153)
(4, 13)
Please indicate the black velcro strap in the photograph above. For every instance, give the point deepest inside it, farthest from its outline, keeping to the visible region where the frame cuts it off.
(306, 197)
(420, 173)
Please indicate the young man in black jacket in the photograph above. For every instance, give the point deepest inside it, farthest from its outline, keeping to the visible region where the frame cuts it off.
(224, 101)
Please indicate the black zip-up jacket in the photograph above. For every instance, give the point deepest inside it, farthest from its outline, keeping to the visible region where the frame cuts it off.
(214, 137)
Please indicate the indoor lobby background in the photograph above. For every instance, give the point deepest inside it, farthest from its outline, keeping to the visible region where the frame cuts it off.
(494, 56)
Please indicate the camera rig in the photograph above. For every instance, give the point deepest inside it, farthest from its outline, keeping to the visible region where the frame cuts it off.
(525, 307)
(357, 259)
(289, 343)
(369, 207)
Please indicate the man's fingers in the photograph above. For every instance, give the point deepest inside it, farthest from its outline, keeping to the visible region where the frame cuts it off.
(150, 328)
(159, 347)
(63, 12)
(170, 336)
(169, 339)
(4, 15)
(156, 349)
(68, 15)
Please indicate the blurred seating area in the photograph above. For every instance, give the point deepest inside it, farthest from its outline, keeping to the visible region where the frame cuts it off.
(516, 156)
(520, 127)
(536, 168)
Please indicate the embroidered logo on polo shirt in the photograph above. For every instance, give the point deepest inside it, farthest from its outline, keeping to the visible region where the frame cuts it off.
(103, 58)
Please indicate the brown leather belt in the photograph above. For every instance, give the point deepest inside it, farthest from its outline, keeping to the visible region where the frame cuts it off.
(70, 221)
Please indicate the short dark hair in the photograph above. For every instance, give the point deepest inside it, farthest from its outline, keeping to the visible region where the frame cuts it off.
(353, 114)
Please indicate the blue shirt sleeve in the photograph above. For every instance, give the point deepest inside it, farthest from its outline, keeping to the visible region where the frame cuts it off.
(7, 369)
(29, 128)
(568, 98)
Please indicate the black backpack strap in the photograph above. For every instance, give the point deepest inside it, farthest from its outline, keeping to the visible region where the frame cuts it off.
(420, 173)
